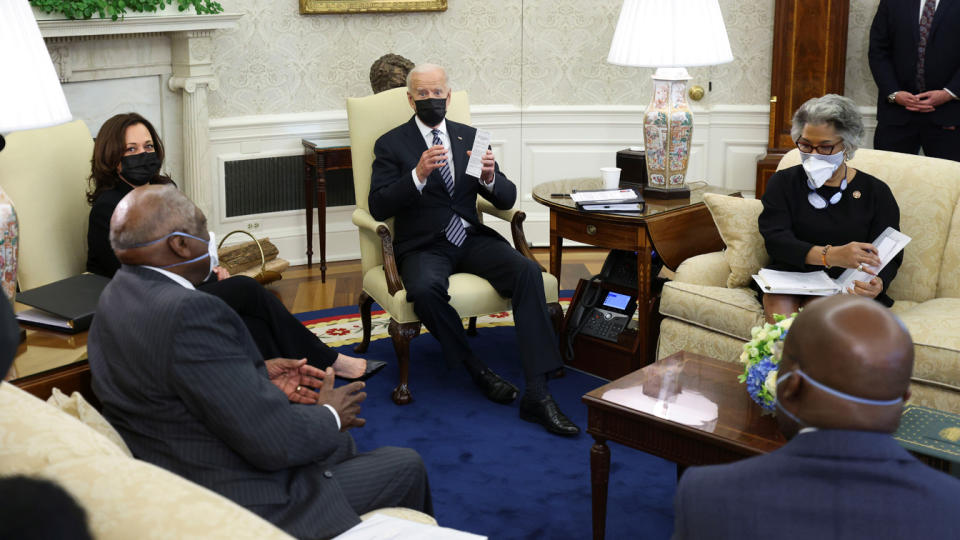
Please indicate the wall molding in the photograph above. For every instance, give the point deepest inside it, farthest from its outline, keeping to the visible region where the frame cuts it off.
(533, 145)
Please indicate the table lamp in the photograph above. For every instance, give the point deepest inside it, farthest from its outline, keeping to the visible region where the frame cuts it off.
(30, 98)
(669, 35)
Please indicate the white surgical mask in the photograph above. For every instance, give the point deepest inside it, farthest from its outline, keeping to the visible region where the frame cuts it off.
(211, 249)
(820, 168)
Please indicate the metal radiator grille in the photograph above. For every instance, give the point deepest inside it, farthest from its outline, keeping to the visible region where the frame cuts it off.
(258, 186)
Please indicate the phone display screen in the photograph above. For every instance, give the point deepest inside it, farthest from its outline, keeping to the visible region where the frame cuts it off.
(616, 301)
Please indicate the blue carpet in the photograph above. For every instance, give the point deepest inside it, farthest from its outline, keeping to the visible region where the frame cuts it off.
(494, 474)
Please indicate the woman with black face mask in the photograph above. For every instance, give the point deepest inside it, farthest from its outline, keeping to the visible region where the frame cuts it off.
(128, 153)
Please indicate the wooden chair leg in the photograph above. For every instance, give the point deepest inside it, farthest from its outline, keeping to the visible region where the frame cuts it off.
(402, 334)
(472, 327)
(364, 302)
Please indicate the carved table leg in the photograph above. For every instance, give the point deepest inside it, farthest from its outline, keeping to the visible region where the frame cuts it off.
(472, 327)
(402, 334)
(365, 302)
(599, 478)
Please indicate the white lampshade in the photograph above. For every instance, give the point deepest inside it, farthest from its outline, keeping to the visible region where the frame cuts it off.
(30, 93)
(670, 33)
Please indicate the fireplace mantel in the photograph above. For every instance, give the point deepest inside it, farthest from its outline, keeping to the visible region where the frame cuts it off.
(176, 48)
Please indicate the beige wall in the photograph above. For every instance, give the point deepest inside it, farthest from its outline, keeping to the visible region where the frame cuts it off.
(528, 53)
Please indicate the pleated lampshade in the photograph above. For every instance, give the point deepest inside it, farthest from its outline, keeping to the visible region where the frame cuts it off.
(670, 33)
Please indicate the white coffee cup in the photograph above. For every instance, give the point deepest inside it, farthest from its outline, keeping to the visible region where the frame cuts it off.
(611, 177)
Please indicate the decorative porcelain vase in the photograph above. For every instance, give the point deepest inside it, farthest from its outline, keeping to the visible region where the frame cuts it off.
(9, 233)
(668, 132)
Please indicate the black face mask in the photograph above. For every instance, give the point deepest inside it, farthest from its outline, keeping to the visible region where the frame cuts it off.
(431, 110)
(139, 169)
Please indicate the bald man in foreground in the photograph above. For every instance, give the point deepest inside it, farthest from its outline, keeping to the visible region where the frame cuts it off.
(843, 379)
(181, 379)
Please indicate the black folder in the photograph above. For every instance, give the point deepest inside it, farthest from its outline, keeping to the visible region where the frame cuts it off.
(66, 305)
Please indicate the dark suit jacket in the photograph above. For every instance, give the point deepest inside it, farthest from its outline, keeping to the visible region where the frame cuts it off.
(825, 484)
(894, 39)
(421, 217)
(181, 379)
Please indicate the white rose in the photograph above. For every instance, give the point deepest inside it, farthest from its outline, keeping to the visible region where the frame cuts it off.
(771, 383)
(744, 357)
(785, 324)
(762, 335)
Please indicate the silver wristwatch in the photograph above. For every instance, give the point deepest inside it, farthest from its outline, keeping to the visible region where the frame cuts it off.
(892, 98)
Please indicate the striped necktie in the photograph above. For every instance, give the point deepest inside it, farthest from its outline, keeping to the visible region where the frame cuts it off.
(454, 232)
(926, 22)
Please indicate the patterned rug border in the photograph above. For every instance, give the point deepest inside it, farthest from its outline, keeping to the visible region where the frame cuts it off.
(342, 325)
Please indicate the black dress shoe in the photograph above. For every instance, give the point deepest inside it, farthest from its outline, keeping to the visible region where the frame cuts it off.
(373, 367)
(496, 388)
(546, 413)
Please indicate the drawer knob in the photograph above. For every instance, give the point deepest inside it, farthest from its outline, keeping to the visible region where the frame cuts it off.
(591, 230)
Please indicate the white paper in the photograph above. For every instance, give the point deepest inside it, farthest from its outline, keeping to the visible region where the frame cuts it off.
(686, 407)
(383, 527)
(888, 244)
(605, 195)
(816, 283)
(481, 143)
(616, 207)
(39, 316)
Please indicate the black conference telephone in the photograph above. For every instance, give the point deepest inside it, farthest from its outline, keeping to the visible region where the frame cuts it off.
(601, 312)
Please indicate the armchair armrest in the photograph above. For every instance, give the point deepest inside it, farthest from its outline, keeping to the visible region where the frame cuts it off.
(515, 218)
(709, 269)
(363, 220)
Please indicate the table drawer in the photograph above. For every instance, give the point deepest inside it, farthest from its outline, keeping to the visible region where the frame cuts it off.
(601, 232)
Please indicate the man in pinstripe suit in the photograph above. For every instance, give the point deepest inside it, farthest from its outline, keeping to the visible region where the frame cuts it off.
(180, 378)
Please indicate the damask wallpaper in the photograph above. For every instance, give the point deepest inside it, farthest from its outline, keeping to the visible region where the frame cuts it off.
(517, 52)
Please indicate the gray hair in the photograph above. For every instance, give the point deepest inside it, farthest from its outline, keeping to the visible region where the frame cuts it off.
(170, 211)
(838, 112)
(424, 68)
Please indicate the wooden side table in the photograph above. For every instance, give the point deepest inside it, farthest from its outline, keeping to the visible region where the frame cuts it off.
(676, 228)
(317, 160)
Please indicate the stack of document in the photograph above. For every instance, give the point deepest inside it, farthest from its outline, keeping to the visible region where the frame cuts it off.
(888, 245)
(608, 200)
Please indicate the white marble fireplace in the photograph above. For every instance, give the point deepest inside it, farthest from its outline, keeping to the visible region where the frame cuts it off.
(156, 65)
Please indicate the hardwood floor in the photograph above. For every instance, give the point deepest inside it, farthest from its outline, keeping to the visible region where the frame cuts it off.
(301, 289)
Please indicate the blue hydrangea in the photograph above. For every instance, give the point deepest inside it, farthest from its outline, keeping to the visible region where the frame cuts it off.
(756, 377)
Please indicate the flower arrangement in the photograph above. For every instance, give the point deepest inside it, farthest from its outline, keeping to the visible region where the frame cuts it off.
(761, 356)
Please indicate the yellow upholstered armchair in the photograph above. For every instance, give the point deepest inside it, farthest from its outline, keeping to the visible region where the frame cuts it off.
(44, 172)
(369, 118)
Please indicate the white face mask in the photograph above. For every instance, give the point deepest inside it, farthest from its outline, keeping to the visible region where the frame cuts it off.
(820, 168)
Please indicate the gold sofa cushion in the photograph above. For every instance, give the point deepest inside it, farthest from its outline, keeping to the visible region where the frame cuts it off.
(934, 326)
(127, 498)
(34, 434)
(83, 411)
(729, 311)
(736, 220)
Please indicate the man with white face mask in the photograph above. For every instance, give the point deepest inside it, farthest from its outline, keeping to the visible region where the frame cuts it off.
(180, 377)
(822, 214)
(844, 376)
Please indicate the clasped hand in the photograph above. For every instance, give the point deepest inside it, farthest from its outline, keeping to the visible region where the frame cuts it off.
(923, 102)
(297, 380)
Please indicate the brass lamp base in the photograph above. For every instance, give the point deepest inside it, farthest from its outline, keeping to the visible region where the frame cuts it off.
(652, 192)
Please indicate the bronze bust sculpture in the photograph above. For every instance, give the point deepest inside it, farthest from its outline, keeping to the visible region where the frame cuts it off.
(389, 71)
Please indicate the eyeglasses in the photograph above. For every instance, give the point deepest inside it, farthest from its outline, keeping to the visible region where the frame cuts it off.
(823, 149)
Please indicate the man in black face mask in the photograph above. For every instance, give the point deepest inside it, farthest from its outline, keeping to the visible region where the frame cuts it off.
(419, 180)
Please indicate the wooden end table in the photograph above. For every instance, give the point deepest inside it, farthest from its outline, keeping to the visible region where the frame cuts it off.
(738, 431)
(677, 229)
(317, 160)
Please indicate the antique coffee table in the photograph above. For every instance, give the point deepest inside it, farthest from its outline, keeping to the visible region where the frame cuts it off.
(686, 408)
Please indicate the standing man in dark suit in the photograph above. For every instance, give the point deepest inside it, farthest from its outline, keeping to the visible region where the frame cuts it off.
(437, 233)
(915, 60)
(843, 379)
(181, 379)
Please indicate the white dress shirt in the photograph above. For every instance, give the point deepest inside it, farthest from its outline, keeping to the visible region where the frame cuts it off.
(182, 281)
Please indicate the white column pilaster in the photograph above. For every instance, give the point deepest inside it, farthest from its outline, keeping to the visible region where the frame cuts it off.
(193, 74)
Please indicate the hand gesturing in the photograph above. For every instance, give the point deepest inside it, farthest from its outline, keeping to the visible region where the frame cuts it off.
(295, 378)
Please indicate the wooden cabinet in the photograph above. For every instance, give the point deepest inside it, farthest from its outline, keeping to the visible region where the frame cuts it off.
(809, 60)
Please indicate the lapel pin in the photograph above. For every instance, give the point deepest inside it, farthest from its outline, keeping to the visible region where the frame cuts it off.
(459, 138)
(856, 194)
